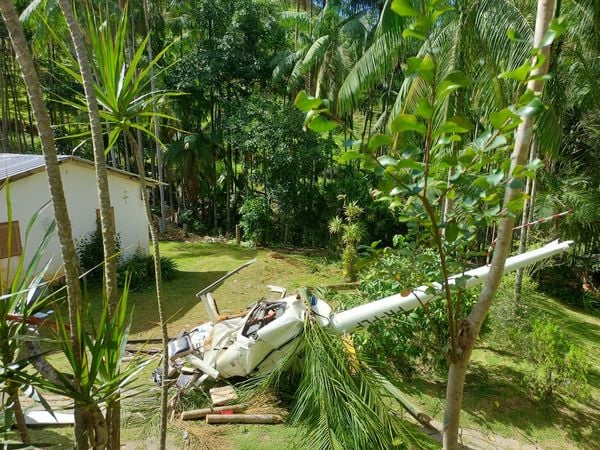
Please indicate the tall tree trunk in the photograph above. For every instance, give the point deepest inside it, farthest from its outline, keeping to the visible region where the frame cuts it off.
(525, 219)
(471, 325)
(159, 155)
(4, 101)
(63, 224)
(139, 156)
(113, 413)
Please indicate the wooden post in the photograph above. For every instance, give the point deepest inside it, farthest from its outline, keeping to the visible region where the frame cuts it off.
(243, 418)
(202, 413)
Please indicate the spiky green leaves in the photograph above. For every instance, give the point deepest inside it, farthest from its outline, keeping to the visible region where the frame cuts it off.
(338, 402)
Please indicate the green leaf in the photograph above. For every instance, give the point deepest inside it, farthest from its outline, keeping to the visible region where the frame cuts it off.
(514, 36)
(387, 160)
(409, 164)
(414, 34)
(320, 124)
(404, 8)
(407, 122)
(410, 151)
(456, 124)
(531, 109)
(378, 140)
(453, 81)
(516, 205)
(481, 183)
(348, 156)
(495, 178)
(305, 102)
(534, 165)
(521, 73)
(451, 231)
(556, 28)
(503, 118)
(424, 109)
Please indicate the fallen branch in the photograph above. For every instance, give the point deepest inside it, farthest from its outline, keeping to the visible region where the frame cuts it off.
(243, 418)
(202, 413)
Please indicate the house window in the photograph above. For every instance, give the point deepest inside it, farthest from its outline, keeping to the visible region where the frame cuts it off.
(15, 245)
(112, 216)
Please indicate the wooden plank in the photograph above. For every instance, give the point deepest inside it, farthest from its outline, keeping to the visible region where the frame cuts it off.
(15, 237)
(243, 418)
(202, 413)
(221, 395)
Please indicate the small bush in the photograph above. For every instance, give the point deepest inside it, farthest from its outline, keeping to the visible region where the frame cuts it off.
(90, 253)
(559, 365)
(140, 268)
(189, 218)
(256, 220)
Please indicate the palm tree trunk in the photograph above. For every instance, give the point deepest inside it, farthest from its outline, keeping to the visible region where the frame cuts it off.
(139, 156)
(113, 414)
(159, 155)
(470, 327)
(63, 223)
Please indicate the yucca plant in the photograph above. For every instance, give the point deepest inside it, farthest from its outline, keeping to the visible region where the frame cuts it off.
(24, 294)
(103, 377)
(352, 232)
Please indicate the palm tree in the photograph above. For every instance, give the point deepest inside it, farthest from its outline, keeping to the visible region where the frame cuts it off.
(471, 37)
(328, 46)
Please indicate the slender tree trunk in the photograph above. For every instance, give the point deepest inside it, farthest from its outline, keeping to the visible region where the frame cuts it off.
(470, 326)
(159, 155)
(157, 273)
(113, 413)
(4, 101)
(63, 224)
(527, 211)
(17, 409)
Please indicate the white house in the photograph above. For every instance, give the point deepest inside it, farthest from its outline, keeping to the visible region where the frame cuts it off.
(29, 191)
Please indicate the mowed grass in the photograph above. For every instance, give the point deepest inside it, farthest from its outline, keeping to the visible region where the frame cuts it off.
(200, 264)
(496, 399)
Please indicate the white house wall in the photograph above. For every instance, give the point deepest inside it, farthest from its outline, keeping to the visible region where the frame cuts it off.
(30, 193)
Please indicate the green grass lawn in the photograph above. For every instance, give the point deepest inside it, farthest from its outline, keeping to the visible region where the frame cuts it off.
(495, 401)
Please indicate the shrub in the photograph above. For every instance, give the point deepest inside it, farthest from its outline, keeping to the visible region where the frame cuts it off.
(558, 363)
(90, 253)
(140, 268)
(419, 338)
(189, 218)
(256, 220)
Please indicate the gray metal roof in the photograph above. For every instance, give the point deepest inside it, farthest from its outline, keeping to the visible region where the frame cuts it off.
(16, 165)
(13, 164)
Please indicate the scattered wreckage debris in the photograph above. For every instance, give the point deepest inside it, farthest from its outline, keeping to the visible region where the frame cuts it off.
(253, 343)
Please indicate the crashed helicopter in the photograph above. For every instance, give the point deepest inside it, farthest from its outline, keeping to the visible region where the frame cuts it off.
(253, 343)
